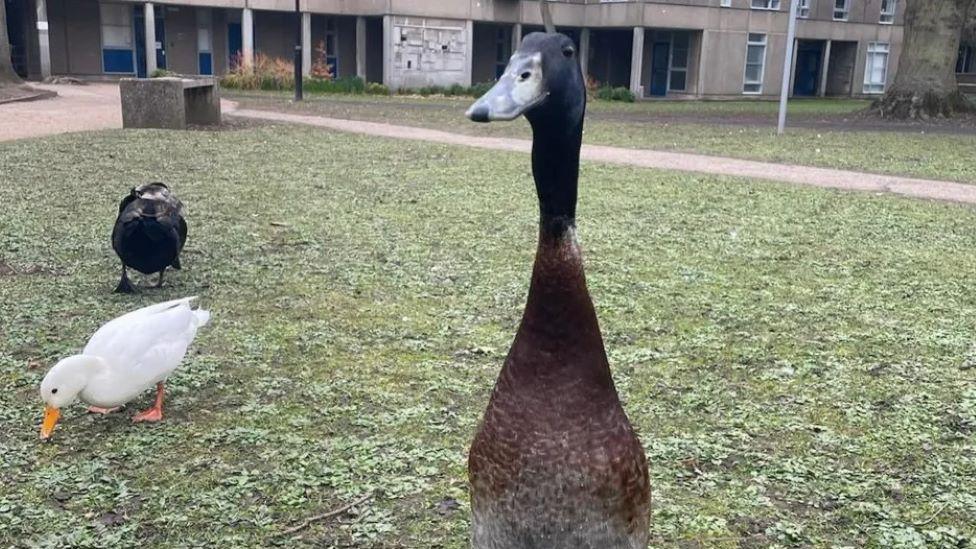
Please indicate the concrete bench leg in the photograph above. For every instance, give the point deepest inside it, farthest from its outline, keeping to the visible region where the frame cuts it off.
(203, 105)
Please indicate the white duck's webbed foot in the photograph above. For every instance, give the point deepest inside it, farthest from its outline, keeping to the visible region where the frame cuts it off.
(156, 412)
(103, 411)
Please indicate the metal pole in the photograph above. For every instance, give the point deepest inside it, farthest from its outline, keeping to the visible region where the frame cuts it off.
(787, 67)
(298, 51)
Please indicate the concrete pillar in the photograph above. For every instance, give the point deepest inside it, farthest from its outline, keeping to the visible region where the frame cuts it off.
(637, 62)
(388, 51)
(247, 38)
(150, 16)
(822, 88)
(468, 54)
(43, 38)
(584, 54)
(516, 37)
(361, 47)
(702, 62)
(306, 44)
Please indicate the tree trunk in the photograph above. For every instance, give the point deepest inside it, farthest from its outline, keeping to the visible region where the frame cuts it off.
(7, 74)
(925, 85)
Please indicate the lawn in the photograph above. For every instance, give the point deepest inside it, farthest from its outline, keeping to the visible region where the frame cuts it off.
(800, 363)
(833, 134)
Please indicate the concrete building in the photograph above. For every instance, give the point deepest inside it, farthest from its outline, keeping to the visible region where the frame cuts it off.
(659, 48)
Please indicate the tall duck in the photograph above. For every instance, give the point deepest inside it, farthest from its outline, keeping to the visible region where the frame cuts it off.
(555, 462)
(149, 232)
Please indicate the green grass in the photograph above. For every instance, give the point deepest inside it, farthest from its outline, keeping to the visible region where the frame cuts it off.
(706, 127)
(799, 362)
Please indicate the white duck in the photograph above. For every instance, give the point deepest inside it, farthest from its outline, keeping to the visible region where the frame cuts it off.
(124, 358)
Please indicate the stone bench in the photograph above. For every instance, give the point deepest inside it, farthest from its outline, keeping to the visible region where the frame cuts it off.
(169, 102)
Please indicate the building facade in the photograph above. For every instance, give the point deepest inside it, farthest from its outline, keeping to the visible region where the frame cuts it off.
(659, 48)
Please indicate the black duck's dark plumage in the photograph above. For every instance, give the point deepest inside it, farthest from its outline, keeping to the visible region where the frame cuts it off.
(149, 232)
(555, 462)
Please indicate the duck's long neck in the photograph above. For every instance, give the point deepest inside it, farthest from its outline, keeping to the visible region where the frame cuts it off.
(559, 318)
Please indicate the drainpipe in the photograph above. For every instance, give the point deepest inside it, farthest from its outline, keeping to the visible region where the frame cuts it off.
(43, 39)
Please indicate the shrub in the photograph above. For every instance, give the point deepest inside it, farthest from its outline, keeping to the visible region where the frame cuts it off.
(161, 73)
(480, 88)
(608, 93)
(623, 94)
(375, 88)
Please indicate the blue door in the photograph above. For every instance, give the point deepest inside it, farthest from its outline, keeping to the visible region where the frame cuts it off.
(235, 43)
(807, 76)
(659, 68)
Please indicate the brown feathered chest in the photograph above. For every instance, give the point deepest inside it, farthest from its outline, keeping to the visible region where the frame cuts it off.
(556, 463)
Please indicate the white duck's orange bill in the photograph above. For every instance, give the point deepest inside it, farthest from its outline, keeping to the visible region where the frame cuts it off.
(51, 415)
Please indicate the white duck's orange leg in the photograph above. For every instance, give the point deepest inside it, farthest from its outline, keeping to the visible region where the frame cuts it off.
(103, 411)
(156, 412)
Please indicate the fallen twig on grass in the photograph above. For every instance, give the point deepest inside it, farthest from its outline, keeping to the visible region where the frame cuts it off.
(334, 513)
(937, 513)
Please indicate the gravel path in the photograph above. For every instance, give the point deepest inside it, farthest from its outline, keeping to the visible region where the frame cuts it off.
(800, 175)
(75, 109)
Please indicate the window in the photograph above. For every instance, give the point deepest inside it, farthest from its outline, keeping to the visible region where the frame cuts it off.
(332, 46)
(841, 8)
(876, 68)
(118, 54)
(765, 4)
(888, 11)
(803, 9)
(755, 63)
(678, 67)
(726, 3)
(204, 41)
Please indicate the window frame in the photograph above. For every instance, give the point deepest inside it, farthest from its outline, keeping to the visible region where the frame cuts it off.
(845, 11)
(762, 64)
(870, 87)
(672, 69)
(803, 9)
(887, 17)
(771, 5)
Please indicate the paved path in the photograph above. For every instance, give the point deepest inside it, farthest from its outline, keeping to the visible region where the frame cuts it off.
(75, 109)
(800, 175)
(97, 106)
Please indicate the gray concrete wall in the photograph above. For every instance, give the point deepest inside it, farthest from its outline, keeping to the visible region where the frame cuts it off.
(346, 43)
(427, 52)
(274, 34)
(840, 71)
(181, 38)
(76, 37)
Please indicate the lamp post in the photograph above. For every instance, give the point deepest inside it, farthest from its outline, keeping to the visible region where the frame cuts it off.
(298, 51)
(787, 67)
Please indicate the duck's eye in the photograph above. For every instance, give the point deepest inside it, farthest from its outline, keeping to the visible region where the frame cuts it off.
(54, 391)
(525, 75)
(568, 52)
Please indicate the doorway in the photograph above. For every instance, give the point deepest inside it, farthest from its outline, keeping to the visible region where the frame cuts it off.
(660, 54)
(809, 57)
(140, 38)
(235, 43)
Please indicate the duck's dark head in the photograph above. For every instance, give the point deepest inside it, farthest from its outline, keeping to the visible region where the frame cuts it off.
(543, 81)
